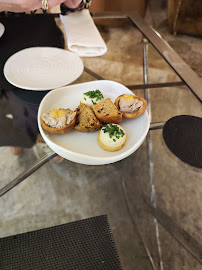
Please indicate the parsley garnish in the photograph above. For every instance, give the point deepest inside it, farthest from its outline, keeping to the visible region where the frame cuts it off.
(113, 130)
(94, 94)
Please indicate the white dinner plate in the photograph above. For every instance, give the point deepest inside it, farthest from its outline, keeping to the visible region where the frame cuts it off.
(2, 29)
(83, 147)
(43, 68)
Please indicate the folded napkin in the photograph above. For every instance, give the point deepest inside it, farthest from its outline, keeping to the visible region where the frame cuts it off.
(82, 35)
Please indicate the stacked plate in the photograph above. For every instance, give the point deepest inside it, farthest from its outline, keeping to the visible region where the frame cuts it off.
(42, 68)
(2, 29)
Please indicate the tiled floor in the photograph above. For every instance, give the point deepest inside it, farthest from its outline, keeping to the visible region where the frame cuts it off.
(60, 193)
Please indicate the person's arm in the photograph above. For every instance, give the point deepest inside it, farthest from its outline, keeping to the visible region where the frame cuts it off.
(26, 5)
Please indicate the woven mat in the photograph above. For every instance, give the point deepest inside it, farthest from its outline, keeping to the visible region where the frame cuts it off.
(82, 245)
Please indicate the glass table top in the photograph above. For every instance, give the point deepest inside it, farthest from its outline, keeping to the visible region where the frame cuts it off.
(152, 198)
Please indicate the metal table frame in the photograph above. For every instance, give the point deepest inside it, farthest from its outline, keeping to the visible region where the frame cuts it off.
(189, 78)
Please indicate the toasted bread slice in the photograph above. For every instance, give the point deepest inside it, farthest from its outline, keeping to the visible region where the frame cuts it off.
(135, 113)
(59, 130)
(107, 112)
(86, 120)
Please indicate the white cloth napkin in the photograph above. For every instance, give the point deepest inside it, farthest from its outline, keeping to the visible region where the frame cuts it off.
(82, 35)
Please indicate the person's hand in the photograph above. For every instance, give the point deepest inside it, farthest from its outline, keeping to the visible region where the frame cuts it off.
(72, 3)
(28, 5)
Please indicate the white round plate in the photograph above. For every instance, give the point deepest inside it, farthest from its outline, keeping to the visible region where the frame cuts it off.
(82, 147)
(2, 29)
(43, 68)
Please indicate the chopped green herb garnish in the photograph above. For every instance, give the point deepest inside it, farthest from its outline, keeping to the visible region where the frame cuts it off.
(85, 98)
(94, 94)
(113, 130)
(93, 102)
